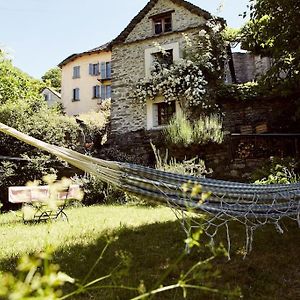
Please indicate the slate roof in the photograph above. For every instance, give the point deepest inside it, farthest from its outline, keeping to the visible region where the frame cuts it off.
(72, 57)
(138, 18)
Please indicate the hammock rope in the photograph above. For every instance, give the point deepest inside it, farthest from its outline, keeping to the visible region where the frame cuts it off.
(251, 204)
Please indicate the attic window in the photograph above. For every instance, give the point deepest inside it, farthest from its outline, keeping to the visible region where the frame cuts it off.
(162, 23)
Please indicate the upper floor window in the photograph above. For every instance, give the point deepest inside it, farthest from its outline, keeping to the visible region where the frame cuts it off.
(94, 69)
(76, 95)
(106, 70)
(163, 58)
(76, 72)
(162, 23)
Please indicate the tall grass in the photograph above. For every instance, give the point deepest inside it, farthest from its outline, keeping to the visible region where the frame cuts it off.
(182, 131)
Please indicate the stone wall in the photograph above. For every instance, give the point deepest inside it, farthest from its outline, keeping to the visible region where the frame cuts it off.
(248, 67)
(224, 159)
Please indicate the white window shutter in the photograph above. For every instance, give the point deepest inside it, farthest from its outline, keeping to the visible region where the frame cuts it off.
(103, 94)
(91, 69)
(103, 70)
(155, 115)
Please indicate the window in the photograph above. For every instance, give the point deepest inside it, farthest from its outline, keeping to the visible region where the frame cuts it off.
(47, 97)
(94, 69)
(76, 96)
(106, 70)
(76, 72)
(168, 54)
(96, 92)
(163, 58)
(105, 92)
(163, 113)
(162, 24)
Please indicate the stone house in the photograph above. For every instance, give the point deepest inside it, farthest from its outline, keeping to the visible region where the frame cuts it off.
(160, 22)
(86, 80)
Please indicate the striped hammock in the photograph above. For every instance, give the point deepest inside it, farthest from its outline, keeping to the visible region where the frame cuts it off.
(253, 205)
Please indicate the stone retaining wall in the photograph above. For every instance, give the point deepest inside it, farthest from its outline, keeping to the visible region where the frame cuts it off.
(224, 159)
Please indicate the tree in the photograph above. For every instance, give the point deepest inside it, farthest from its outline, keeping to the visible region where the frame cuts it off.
(23, 107)
(53, 78)
(15, 84)
(274, 30)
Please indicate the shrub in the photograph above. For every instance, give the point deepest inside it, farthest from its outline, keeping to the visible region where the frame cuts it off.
(33, 117)
(99, 192)
(15, 84)
(94, 125)
(277, 170)
(195, 166)
(182, 131)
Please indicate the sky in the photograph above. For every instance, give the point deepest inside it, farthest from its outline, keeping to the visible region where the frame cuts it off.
(39, 34)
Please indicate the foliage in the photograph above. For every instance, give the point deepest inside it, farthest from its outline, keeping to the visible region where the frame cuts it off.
(274, 30)
(98, 192)
(182, 131)
(189, 80)
(24, 109)
(241, 92)
(52, 78)
(277, 170)
(232, 35)
(194, 167)
(280, 174)
(37, 278)
(16, 85)
(94, 125)
(181, 79)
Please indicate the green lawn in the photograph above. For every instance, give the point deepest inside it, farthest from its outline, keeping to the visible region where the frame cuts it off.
(152, 239)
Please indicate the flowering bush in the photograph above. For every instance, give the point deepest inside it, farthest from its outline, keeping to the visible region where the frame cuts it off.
(190, 79)
(181, 79)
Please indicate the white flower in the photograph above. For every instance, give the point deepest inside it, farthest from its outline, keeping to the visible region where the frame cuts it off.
(202, 32)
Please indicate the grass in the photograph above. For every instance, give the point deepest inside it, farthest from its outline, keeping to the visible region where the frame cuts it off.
(151, 239)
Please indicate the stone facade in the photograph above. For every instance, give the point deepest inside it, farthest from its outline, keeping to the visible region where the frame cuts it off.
(128, 62)
(182, 19)
(248, 67)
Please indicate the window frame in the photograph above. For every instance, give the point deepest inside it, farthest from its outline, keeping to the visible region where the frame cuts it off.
(94, 69)
(105, 91)
(161, 106)
(76, 72)
(150, 51)
(76, 95)
(152, 113)
(161, 19)
(105, 70)
(96, 92)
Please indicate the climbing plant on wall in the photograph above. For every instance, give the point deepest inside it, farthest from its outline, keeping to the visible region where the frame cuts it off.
(191, 79)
